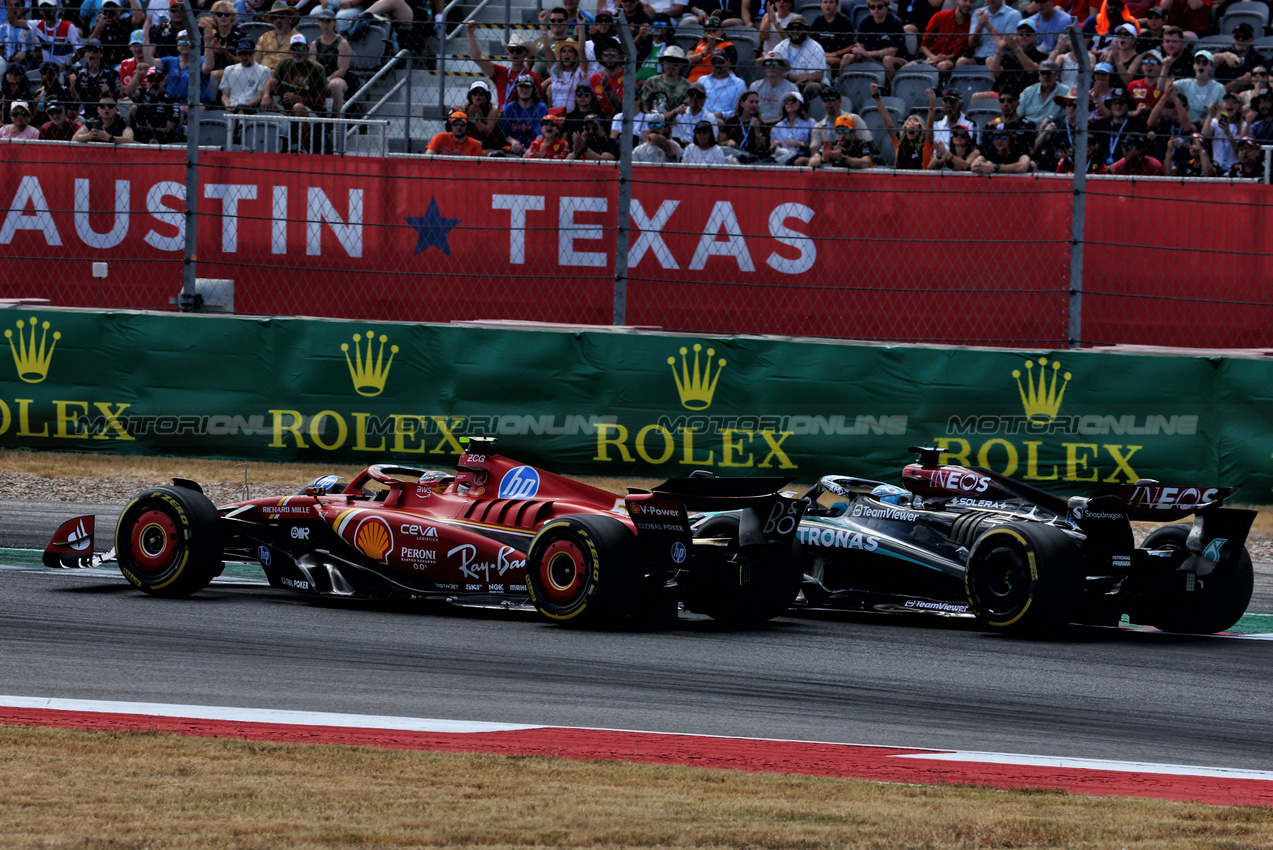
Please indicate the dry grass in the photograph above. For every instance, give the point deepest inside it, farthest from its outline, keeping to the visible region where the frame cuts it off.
(77, 789)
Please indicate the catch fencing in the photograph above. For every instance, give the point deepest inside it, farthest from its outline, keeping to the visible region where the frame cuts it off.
(322, 220)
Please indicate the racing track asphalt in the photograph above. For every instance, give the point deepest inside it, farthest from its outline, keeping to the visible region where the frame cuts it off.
(1139, 696)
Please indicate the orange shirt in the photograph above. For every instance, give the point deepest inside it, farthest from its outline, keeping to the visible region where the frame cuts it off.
(444, 144)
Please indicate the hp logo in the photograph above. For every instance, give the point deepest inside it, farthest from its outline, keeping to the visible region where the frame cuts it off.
(521, 482)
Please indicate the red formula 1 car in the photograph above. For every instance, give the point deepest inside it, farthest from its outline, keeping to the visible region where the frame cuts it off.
(496, 532)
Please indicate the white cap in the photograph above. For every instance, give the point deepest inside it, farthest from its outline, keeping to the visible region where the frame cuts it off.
(297, 38)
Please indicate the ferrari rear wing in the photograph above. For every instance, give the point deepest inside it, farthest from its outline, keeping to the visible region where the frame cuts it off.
(707, 493)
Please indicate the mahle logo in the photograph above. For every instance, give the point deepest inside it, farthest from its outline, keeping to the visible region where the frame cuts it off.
(696, 387)
(31, 359)
(1042, 400)
(369, 373)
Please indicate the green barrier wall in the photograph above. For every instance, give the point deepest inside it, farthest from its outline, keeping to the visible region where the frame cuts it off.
(625, 403)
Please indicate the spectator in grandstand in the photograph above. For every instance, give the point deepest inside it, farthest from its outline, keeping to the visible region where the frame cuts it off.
(454, 141)
(1103, 25)
(744, 135)
(1222, 128)
(551, 144)
(157, 117)
(176, 71)
(657, 145)
(242, 85)
(712, 42)
(1021, 131)
(638, 127)
(1202, 90)
(998, 155)
(946, 39)
(825, 129)
(585, 104)
(16, 42)
(112, 31)
(1176, 59)
(607, 83)
(564, 75)
(1123, 56)
(332, 51)
(995, 19)
(20, 122)
(49, 90)
(577, 20)
(916, 14)
(1135, 163)
(806, 62)
(1170, 117)
(1250, 164)
(1101, 87)
(690, 114)
(57, 38)
(484, 118)
(1151, 27)
(1260, 126)
(665, 92)
(773, 88)
(958, 155)
(1066, 59)
(703, 149)
(272, 47)
(13, 87)
(1146, 91)
(1015, 62)
(161, 32)
(90, 78)
(553, 31)
(592, 143)
(504, 76)
(952, 104)
(880, 38)
(835, 32)
(789, 138)
(778, 14)
(1235, 67)
(298, 84)
(60, 127)
(723, 87)
(662, 36)
(847, 152)
(1055, 142)
(639, 21)
(1039, 101)
(221, 37)
(520, 117)
(1259, 85)
(1109, 134)
(602, 28)
(1189, 158)
(107, 128)
(1049, 22)
(128, 68)
(733, 13)
(1192, 16)
(913, 146)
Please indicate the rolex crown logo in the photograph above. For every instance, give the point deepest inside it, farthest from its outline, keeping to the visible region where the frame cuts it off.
(696, 387)
(369, 370)
(32, 359)
(1042, 400)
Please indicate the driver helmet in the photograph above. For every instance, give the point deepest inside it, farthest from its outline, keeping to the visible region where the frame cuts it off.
(435, 480)
(892, 494)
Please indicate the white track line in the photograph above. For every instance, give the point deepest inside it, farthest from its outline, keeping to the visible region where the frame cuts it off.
(1093, 764)
(261, 715)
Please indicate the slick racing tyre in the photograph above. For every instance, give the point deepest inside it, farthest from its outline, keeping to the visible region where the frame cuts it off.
(1023, 578)
(736, 589)
(169, 541)
(582, 571)
(1217, 601)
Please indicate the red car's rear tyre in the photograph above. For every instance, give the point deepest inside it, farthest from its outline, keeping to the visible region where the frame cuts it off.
(582, 570)
(169, 541)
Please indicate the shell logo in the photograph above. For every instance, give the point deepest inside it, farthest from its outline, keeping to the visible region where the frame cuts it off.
(374, 539)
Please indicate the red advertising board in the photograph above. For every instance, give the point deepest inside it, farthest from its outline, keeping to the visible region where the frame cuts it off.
(905, 257)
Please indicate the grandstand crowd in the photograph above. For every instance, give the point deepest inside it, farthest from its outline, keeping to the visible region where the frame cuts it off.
(1180, 87)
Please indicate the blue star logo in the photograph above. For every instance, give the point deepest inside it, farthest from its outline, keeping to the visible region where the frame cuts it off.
(432, 229)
